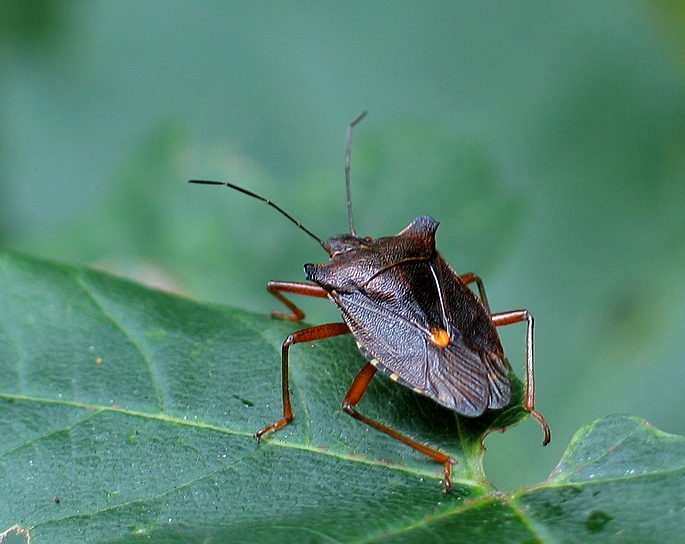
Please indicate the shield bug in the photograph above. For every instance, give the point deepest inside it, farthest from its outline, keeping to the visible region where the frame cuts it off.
(414, 319)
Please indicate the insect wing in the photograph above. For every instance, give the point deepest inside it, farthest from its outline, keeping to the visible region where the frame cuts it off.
(465, 311)
(394, 328)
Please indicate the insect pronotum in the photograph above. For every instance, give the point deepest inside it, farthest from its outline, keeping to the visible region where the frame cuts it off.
(413, 317)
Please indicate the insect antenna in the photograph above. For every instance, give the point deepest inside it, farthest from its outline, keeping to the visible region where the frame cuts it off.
(272, 204)
(348, 155)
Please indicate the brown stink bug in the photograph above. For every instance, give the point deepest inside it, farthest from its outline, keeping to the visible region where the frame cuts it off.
(414, 318)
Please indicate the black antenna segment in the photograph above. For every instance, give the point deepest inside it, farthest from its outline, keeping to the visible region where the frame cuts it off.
(348, 155)
(273, 205)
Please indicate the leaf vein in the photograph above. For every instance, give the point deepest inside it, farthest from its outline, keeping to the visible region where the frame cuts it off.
(139, 347)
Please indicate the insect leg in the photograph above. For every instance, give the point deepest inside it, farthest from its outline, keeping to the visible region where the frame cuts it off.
(297, 288)
(355, 394)
(470, 277)
(305, 335)
(516, 316)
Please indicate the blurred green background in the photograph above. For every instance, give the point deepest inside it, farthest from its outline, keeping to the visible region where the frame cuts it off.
(548, 139)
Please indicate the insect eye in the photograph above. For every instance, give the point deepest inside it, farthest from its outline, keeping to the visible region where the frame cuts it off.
(341, 251)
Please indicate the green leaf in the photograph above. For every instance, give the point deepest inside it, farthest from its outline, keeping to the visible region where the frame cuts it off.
(128, 415)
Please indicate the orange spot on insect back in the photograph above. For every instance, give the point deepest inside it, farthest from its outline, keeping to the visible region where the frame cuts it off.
(440, 337)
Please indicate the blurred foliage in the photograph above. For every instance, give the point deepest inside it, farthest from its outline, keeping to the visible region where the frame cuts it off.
(548, 140)
(672, 15)
(29, 22)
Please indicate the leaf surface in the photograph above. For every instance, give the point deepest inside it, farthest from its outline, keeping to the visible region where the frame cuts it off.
(128, 414)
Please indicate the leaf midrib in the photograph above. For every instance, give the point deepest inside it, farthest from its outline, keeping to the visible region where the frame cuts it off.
(270, 442)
